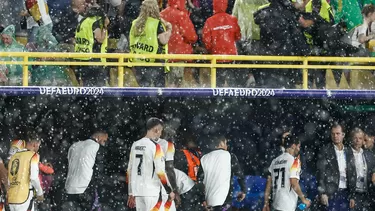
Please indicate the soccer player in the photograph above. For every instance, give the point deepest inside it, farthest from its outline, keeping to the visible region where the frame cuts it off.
(284, 178)
(85, 171)
(216, 175)
(146, 170)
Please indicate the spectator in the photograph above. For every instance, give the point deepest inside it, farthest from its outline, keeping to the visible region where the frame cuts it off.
(369, 142)
(182, 38)
(148, 36)
(362, 34)
(348, 12)
(85, 179)
(244, 11)
(27, 22)
(38, 15)
(280, 34)
(47, 75)
(92, 37)
(8, 43)
(215, 177)
(336, 175)
(220, 34)
(322, 16)
(131, 10)
(23, 176)
(66, 22)
(364, 162)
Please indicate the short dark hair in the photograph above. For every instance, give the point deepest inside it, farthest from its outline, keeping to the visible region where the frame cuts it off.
(215, 140)
(33, 138)
(153, 122)
(291, 139)
(336, 125)
(368, 9)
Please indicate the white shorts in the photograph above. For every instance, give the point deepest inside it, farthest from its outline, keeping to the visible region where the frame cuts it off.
(148, 203)
(168, 206)
(25, 206)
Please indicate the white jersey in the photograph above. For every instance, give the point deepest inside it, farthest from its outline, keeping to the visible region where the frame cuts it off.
(146, 169)
(216, 167)
(168, 149)
(282, 169)
(184, 182)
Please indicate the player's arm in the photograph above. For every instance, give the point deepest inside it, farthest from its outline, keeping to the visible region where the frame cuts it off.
(295, 171)
(34, 176)
(131, 199)
(160, 168)
(200, 185)
(297, 188)
(267, 193)
(169, 165)
(237, 171)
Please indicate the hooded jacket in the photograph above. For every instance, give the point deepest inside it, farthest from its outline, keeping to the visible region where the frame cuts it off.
(183, 32)
(221, 31)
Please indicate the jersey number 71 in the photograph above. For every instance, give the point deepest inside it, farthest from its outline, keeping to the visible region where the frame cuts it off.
(277, 176)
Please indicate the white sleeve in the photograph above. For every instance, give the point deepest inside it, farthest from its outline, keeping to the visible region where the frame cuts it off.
(34, 175)
(295, 169)
(129, 171)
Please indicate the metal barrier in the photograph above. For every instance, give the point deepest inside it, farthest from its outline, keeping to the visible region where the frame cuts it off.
(209, 61)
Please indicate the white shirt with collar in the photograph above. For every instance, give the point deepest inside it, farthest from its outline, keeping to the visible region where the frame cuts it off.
(361, 169)
(341, 160)
(81, 157)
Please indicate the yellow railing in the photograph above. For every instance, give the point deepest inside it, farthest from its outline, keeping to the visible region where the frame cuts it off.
(208, 61)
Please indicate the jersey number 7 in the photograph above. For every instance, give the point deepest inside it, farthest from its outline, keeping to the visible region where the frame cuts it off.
(277, 176)
(140, 164)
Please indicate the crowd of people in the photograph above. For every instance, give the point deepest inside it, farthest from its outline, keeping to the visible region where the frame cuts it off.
(228, 27)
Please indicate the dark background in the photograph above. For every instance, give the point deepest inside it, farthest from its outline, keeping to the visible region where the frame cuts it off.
(253, 126)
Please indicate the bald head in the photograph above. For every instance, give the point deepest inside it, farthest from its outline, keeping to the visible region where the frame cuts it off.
(101, 137)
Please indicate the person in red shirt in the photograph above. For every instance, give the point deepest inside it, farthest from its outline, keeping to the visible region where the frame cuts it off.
(182, 38)
(220, 34)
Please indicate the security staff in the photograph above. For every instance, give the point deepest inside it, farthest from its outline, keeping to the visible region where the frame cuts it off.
(188, 158)
(23, 175)
(149, 34)
(92, 37)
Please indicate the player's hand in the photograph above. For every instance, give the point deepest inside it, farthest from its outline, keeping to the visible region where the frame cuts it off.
(177, 199)
(352, 203)
(241, 196)
(266, 207)
(131, 201)
(307, 202)
(324, 199)
(40, 198)
(171, 196)
(204, 204)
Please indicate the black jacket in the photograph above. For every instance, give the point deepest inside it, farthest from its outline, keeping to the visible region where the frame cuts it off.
(328, 171)
(370, 162)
